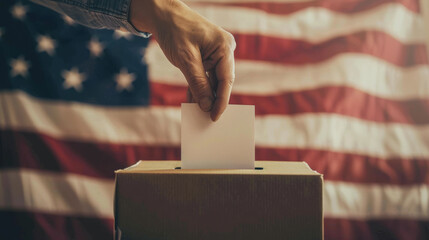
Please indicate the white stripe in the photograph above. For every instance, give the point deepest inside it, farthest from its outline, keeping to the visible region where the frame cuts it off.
(360, 71)
(318, 24)
(359, 201)
(65, 194)
(70, 194)
(342, 134)
(84, 122)
(161, 126)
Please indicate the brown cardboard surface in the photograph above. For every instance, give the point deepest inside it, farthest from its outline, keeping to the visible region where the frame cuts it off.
(261, 168)
(153, 200)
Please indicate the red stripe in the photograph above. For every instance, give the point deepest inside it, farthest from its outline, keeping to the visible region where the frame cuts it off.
(345, 6)
(399, 229)
(298, 52)
(341, 100)
(353, 168)
(30, 225)
(37, 151)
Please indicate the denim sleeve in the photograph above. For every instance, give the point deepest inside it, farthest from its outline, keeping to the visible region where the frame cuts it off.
(111, 14)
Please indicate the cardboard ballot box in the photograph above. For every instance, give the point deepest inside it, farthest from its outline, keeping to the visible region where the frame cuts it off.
(276, 200)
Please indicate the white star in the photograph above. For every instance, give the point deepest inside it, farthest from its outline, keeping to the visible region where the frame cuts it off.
(122, 33)
(95, 47)
(46, 44)
(19, 11)
(68, 20)
(19, 67)
(73, 79)
(124, 80)
(143, 53)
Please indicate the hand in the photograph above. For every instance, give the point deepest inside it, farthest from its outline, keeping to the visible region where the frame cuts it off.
(202, 51)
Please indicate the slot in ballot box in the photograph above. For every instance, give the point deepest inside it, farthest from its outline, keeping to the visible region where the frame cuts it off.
(276, 200)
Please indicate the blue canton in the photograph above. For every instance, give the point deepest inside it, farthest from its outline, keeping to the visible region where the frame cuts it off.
(49, 56)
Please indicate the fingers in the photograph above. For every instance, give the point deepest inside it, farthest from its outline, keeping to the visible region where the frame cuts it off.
(212, 79)
(199, 86)
(189, 97)
(221, 75)
(225, 74)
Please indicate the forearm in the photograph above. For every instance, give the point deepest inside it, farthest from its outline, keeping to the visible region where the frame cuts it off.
(110, 14)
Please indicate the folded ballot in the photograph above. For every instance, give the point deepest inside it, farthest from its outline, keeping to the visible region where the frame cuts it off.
(228, 143)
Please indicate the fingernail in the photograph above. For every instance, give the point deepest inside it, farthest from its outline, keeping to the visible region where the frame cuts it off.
(215, 118)
(206, 104)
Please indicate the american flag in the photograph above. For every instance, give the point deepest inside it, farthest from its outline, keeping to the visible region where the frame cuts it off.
(340, 84)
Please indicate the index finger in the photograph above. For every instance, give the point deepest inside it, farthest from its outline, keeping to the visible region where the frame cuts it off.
(225, 74)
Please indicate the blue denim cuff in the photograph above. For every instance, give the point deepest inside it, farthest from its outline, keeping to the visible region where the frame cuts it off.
(111, 14)
(114, 14)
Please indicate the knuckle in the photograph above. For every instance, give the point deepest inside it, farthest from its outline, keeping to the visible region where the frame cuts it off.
(186, 56)
(226, 41)
(229, 41)
(230, 82)
(199, 86)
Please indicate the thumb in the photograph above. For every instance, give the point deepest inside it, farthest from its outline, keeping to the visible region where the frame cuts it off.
(199, 85)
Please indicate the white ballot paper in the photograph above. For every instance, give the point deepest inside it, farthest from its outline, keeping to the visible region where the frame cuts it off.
(228, 143)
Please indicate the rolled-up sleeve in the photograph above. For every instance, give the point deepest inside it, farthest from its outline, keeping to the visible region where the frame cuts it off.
(110, 14)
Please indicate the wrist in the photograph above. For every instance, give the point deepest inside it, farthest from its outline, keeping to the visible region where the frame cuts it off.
(146, 15)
